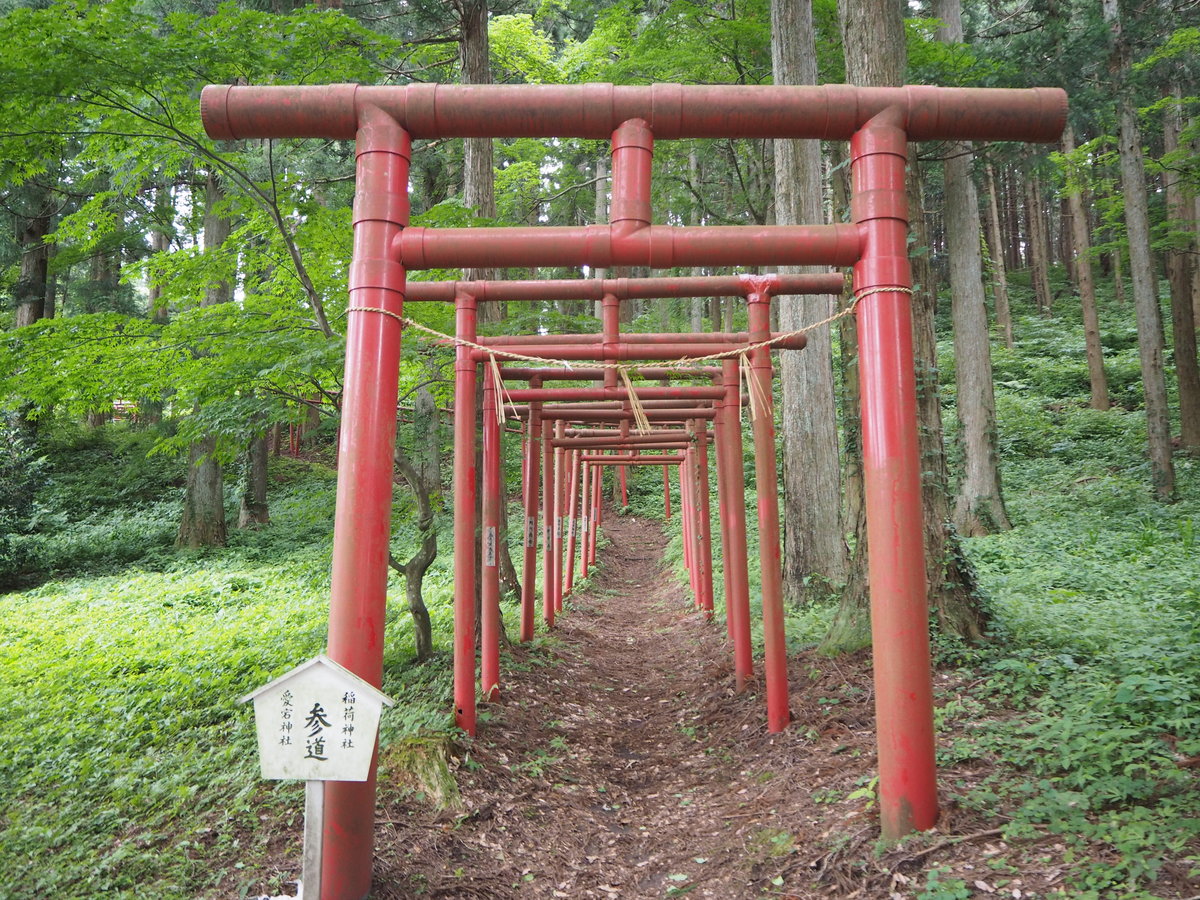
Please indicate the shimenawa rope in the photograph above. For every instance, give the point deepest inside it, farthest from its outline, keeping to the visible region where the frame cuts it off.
(624, 369)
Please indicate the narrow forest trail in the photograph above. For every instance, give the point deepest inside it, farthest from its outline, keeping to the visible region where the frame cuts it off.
(619, 763)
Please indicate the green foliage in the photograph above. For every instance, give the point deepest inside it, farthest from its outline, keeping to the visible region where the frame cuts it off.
(939, 887)
(21, 473)
(1095, 638)
(129, 769)
(519, 48)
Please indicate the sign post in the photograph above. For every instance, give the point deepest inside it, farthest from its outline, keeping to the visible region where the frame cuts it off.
(316, 723)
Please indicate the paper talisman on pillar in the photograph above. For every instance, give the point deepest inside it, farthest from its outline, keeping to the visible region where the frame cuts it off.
(317, 722)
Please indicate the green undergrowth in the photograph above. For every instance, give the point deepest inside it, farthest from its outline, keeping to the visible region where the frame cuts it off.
(1088, 696)
(1086, 699)
(127, 766)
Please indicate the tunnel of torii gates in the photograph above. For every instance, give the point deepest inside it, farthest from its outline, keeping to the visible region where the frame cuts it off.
(878, 122)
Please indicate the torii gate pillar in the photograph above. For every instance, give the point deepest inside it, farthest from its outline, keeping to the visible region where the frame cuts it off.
(362, 522)
(892, 478)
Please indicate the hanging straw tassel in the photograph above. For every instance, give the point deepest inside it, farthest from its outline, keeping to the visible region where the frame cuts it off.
(759, 401)
(503, 400)
(640, 422)
(747, 375)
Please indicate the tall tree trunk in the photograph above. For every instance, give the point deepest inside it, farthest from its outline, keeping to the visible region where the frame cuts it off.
(414, 570)
(50, 308)
(950, 582)
(151, 408)
(999, 267)
(30, 290)
(1181, 273)
(697, 303)
(254, 510)
(1012, 221)
(1193, 212)
(479, 177)
(873, 40)
(600, 216)
(853, 509)
(979, 505)
(852, 621)
(1118, 269)
(203, 521)
(427, 440)
(1145, 289)
(1038, 246)
(814, 561)
(1064, 244)
(1085, 282)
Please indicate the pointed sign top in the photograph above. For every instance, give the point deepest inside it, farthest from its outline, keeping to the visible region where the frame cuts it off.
(352, 681)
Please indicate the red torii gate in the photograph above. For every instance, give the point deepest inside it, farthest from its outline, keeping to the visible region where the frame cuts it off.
(879, 122)
(610, 344)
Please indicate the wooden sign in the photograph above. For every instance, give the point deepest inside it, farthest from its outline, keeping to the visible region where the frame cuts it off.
(317, 722)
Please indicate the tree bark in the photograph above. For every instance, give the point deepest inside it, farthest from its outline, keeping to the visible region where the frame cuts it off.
(1012, 219)
(999, 267)
(1193, 212)
(854, 511)
(254, 510)
(1038, 246)
(979, 504)
(873, 41)
(1145, 289)
(1086, 284)
(1118, 258)
(203, 521)
(694, 218)
(427, 440)
(950, 582)
(479, 177)
(1181, 274)
(30, 290)
(873, 38)
(414, 570)
(600, 217)
(151, 408)
(814, 560)
(1065, 242)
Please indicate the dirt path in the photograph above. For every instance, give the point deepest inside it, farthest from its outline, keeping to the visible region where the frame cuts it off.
(621, 764)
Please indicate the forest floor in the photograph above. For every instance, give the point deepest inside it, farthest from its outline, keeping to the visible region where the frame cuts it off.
(620, 763)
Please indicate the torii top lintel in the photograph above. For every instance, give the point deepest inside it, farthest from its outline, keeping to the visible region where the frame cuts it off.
(833, 111)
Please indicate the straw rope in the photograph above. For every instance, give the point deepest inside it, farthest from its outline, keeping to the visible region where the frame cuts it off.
(503, 399)
(624, 370)
(640, 420)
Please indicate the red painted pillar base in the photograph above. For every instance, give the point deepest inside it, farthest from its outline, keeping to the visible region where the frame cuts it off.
(572, 520)
(737, 602)
(358, 601)
(705, 517)
(892, 482)
(585, 496)
(774, 639)
(532, 467)
(548, 523)
(493, 493)
(465, 488)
